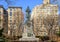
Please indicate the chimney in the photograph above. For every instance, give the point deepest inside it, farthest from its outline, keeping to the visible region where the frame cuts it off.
(46, 1)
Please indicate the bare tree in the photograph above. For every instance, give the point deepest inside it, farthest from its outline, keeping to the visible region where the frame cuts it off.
(56, 2)
(11, 2)
(50, 21)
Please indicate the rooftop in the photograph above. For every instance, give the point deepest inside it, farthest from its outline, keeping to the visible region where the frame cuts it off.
(1, 6)
(14, 7)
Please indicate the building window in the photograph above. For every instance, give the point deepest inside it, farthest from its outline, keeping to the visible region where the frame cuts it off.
(10, 24)
(45, 34)
(10, 9)
(10, 17)
(14, 9)
(14, 14)
(0, 12)
(47, 2)
(0, 26)
(10, 13)
(10, 20)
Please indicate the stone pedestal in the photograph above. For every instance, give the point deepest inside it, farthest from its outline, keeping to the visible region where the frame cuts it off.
(29, 39)
(28, 35)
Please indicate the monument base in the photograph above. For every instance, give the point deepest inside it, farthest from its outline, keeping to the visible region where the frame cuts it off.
(29, 39)
(23, 41)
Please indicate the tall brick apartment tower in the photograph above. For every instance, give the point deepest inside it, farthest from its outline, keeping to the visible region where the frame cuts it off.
(15, 21)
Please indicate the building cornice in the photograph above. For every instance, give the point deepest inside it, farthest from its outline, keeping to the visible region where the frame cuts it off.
(1, 6)
(14, 7)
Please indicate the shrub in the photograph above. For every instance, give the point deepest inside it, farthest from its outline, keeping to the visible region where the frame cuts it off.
(58, 33)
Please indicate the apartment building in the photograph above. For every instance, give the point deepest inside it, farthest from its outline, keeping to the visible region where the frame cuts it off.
(15, 21)
(41, 12)
(5, 25)
(1, 16)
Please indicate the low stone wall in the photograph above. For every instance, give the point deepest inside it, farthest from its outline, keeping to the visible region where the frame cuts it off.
(23, 41)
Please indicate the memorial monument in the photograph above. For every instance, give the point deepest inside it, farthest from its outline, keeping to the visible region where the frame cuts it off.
(28, 34)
